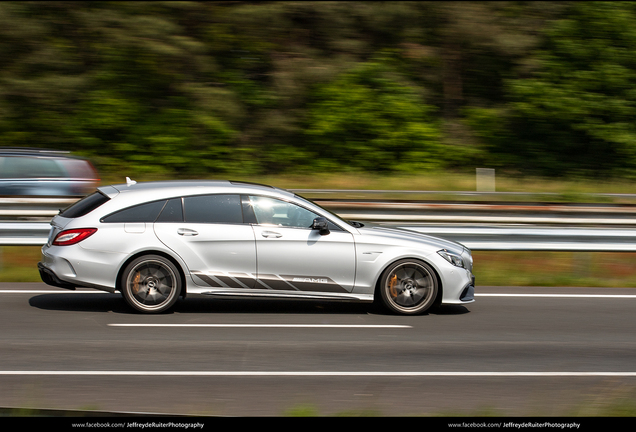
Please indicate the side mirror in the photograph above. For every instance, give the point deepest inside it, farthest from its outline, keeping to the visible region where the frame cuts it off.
(321, 224)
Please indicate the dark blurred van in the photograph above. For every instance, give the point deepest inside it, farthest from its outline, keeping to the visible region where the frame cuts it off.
(28, 172)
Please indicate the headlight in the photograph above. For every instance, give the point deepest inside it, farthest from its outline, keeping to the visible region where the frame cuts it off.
(452, 258)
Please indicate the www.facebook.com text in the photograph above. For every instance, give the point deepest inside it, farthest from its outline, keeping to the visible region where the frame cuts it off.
(517, 425)
(139, 425)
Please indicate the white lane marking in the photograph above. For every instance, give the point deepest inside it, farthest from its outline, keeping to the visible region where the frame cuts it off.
(316, 373)
(266, 325)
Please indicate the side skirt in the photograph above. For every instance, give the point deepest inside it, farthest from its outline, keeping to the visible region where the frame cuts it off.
(291, 295)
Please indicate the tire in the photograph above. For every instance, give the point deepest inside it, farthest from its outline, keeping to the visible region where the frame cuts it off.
(408, 287)
(151, 284)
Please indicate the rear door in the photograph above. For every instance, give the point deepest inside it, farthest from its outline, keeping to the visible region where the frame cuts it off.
(208, 233)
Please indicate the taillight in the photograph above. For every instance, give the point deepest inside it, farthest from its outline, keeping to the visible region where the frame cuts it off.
(73, 236)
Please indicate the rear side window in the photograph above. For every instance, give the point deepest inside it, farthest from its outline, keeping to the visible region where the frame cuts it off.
(147, 212)
(213, 209)
(84, 206)
(172, 212)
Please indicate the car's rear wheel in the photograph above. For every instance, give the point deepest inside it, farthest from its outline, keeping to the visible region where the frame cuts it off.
(151, 284)
(408, 287)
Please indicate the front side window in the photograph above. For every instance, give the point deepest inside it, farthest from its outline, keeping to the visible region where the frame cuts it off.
(271, 211)
(224, 209)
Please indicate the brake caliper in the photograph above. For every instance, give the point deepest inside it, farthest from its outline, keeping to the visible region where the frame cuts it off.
(135, 282)
(392, 283)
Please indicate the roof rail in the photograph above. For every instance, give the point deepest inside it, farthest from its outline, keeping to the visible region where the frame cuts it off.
(238, 182)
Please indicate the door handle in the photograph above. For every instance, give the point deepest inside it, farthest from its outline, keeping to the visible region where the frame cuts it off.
(271, 234)
(187, 232)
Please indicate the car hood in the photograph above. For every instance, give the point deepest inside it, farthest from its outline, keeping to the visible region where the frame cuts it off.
(405, 235)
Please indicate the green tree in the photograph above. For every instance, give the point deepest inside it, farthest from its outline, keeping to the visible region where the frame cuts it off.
(216, 88)
(576, 112)
(128, 84)
(369, 119)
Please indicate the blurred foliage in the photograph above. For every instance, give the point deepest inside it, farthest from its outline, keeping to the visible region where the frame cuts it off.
(369, 119)
(192, 89)
(575, 114)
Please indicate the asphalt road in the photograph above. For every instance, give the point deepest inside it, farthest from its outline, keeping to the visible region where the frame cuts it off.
(514, 352)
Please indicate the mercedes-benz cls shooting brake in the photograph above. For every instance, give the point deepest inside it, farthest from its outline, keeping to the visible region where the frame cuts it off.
(156, 241)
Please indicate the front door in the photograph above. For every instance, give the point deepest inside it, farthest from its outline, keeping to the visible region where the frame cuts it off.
(291, 256)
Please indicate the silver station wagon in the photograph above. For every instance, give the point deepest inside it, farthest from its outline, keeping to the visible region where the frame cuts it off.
(156, 241)
(43, 172)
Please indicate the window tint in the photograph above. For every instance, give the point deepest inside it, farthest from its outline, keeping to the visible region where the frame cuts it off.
(270, 211)
(31, 167)
(213, 209)
(84, 206)
(172, 212)
(147, 212)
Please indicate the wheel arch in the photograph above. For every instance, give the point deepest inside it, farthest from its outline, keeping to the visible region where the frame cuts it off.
(163, 254)
(440, 287)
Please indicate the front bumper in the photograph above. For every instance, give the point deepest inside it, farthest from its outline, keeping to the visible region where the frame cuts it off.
(468, 293)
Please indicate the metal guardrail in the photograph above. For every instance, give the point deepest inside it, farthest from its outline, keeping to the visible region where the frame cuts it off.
(40, 209)
(457, 193)
(491, 226)
(24, 233)
(473, 237)
(415, 212)
(535, 238)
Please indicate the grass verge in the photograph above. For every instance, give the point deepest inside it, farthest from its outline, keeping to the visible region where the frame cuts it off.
(580, 269)
(591, 269)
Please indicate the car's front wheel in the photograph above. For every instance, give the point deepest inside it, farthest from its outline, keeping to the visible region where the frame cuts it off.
(408, 287)
(151, 284)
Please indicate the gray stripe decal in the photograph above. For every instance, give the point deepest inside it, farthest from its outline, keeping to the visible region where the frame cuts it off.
(246, 280)
(271, 281)
(207, 279)
(229, 282)
(276, 282)
(314, 283)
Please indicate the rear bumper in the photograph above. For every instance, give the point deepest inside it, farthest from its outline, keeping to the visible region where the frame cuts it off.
(50, 278)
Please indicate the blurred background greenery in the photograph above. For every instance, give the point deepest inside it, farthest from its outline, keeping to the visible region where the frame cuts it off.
(218, 89)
